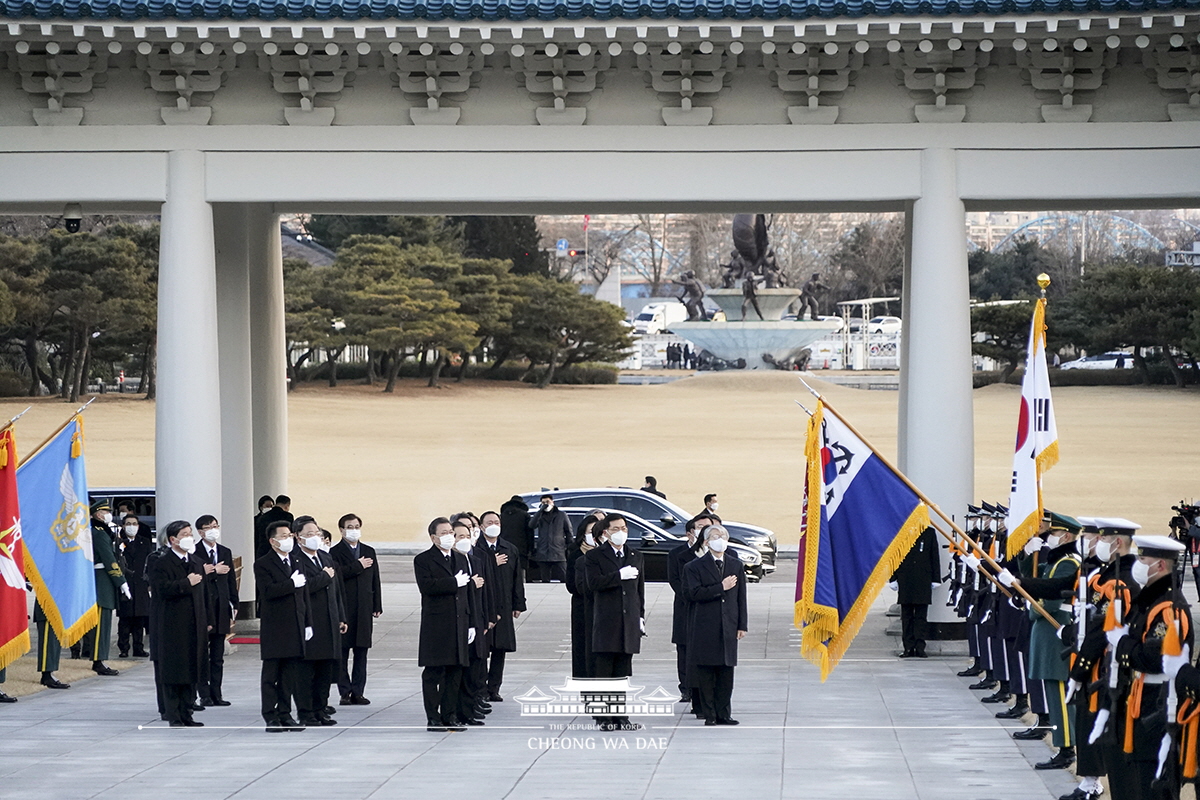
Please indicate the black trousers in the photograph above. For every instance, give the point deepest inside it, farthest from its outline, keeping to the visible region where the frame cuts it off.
(439, 688)
(314, 677)
(177, 701)
(716, 690)
(131, 628)
(279, 686)
(914, 626)
(212, 668)
(551, 570)
(474, 685)
(613, 665)
(158, 691)
(49, 648)
(353, 682)
(495, 671)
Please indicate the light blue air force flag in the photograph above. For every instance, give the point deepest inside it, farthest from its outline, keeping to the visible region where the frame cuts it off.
(52, 487)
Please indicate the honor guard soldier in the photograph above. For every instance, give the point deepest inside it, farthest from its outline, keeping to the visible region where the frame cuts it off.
(1159, 621)
(110, 583)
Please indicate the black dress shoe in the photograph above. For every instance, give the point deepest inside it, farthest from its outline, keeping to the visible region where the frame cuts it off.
(1080, 794)
(326, 720)
(493, 697)
(474, 721)
(329, 711)
(710, 721)
(484, 704)
(433, 726)
(346, 700)
(727, 721)
(289, 724)
(123, 654)
(1031, 734)
(197, 706)
(221, 702)
(454, 725)
(100, 668)
(274, 726)
(180, 725)
(5, 698)
(986, 684)
(1016, 712)
(970, 672)
(140, 654)
(906, 654)
(359, 700)
(483, 709)
(191, 723)
(51, 682)
(998, 697)
(1062, 760)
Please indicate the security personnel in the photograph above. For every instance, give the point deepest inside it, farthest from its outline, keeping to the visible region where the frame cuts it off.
(1137, 719)
(110, 581)
(715, 586)
(914, 580)
(1047, 653)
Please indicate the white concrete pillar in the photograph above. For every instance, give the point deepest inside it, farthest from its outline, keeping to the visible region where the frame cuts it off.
(268, 353)
(233, 338)
(188, 411)
(937, 432)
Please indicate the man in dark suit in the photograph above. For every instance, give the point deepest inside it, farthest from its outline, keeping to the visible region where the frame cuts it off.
(552, 536)
(514, 528)
(716, 589)
(133, 614)
(180, 622)
(446, 634)
(677, 559)
(914, 580)
(221, 600)
(280, 512)
(472, 695)
(318, 669)
(508, 587)
(613, 573)
(286, 625)
(359, 573)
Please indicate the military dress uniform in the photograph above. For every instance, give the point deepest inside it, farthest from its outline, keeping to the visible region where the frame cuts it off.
(110, 583)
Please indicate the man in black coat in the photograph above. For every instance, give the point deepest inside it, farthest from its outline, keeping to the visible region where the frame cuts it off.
(508, 592)
(359, 573)
(716, 591)
(677, 559)
(318, 669)
(514, 527)
(133, 614)
(552, 536)
(280, 512)
(221, 600)
(472, 695)
(180, 622)
(446, 634)
(285, 626)
(613, 573)
(915, 579)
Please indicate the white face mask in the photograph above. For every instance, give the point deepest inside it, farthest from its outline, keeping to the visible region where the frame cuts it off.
(1104, 551)
(463, 545)
(491, 531)
(324, 547)
(313, 543)
(1141, 572)
(352, 535)
(286, 545)
(446, 541)
(618, 538)
(717, 545)
(187, 544)
(1053, 540)
(475, 535)
(714, 505)
(213, 535)
(591, 540)
(131, 531)
(106, 517)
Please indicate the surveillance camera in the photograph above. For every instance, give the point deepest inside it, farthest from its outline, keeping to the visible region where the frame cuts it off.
(72, 217)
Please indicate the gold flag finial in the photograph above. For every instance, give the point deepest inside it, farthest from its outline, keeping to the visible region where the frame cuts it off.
(1043, 281)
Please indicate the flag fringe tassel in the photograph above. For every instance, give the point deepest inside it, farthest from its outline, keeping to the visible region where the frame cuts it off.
(66, 636)
(1020, 536)
(14, 648)
(824, 641)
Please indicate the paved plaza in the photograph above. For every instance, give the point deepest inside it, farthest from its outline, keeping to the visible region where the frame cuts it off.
(878, 728)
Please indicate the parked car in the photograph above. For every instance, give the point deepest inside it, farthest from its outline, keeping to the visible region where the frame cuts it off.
(664, 514)
(1101, 361)
(885, 325)
(654, 543)
(141, 500)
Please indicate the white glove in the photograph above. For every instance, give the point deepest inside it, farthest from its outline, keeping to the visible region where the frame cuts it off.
(461, 579)
(1164, 748)
(298, 580)
(1034, 545)
(470, 635)
(1116, 634)
(1005, 577)
(895, 587)
(1172, 664)
(308, 633)
(934, 585)
(628, 573)
(1098, 726)
(125, 591)
(1072, 688)
(972, 561)
(642, 622)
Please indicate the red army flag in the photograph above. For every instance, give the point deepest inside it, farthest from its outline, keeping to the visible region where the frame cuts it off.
(14, 618)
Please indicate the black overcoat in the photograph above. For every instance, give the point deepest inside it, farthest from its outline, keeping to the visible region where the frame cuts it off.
(262, 547)
(716, 614)
(325, 604)
(514, 525)
(134, 552)
(480, 602)
(179, 626)
(617, 606)
(508, 581)
(282, 607)
(442, 641)
(920, 569)
(581, 615)
(677, 559)
(220, 591)
(363, 593)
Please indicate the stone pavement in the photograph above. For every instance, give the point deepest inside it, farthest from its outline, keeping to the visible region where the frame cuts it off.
(878, 728)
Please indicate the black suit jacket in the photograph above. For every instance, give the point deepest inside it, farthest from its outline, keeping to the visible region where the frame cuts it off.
(282, 607)
(444, 611)
(220, 591)
(618, 606)
(326, 607)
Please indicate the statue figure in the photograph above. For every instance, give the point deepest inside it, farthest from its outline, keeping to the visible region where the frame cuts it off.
(749, 295)
(734, 270)
(693, 295)
(809, 296)
(776, 278)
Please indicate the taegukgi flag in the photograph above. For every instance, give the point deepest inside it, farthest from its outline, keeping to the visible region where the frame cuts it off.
(860, 520)
(1037, 440)
(14, 617)
(52, 485)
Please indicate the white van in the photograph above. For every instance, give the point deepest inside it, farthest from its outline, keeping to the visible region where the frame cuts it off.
(658, 317)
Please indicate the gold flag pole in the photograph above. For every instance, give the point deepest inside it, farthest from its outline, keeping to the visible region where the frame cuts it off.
(983, 555)
(57, 431)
